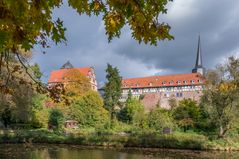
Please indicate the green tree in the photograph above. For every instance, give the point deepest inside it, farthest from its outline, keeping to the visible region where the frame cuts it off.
(160, 118)
(56, 119)
(140, 120)
(130, 111)
(88, 110)
(112, 89)
(205, 123)
(39, 112)
(36, 71)
(17, 89)
(130, 96)
(221, 96)
(186, 114)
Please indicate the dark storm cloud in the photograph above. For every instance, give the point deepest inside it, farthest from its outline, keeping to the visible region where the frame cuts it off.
(217, 21)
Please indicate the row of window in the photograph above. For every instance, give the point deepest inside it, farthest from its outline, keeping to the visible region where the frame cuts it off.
(173, 89)
(171, 83)
(178, 94)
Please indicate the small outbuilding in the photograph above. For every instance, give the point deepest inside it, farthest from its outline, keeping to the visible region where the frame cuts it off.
(72, 124)
(167, 130)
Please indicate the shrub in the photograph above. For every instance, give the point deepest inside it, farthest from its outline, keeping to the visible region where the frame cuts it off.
(160, 118)
(55, 119)
(88, 110)
(130, 111)
(186, 114)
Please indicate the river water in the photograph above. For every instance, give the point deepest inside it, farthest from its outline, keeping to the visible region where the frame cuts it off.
(19, 151)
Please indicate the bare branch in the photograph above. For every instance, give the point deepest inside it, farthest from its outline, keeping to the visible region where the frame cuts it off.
(28, 73)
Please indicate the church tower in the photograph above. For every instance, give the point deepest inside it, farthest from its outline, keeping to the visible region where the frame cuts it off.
(67, 65)
(198, 66)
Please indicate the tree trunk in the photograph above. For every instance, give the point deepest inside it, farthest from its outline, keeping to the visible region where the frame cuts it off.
(222, 132)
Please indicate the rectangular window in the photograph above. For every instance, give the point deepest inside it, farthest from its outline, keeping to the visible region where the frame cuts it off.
(167, 95)
(181, 94)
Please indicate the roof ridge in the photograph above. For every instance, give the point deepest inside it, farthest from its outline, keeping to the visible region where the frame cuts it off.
(71, 68)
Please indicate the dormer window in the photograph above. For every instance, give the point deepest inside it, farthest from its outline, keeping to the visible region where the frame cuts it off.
(150, 84)
(185, 82)
(164, 82)
(179, 82)
(192, 81)
(171, 82)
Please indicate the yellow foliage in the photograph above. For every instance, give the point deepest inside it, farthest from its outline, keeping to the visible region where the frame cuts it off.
(76, 84)
(227, 86)
(112, 22)
(96, 5)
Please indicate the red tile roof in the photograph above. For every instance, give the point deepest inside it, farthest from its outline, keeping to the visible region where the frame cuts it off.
(57, 75)
(164, 81)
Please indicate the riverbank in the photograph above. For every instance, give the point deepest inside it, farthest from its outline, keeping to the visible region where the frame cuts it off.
(177, 140)
(52, 151)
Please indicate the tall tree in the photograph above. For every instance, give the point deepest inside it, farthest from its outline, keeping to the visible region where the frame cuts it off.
(16, 89)
(112, 89)
(221, 97)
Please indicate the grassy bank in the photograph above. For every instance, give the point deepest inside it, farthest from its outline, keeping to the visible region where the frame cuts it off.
(177, 140)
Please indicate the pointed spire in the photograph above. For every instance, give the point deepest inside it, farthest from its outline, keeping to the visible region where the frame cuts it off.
(198, 66)
(199, 54)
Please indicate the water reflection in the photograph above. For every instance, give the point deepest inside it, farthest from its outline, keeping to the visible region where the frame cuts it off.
(76, 152)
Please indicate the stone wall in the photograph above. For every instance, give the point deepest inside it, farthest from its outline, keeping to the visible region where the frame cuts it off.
(151, 100)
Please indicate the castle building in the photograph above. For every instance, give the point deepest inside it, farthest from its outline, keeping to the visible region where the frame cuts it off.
(58, 76)
(158, 90)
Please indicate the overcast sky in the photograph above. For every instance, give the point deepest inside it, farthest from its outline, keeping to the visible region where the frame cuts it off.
(217, 21)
